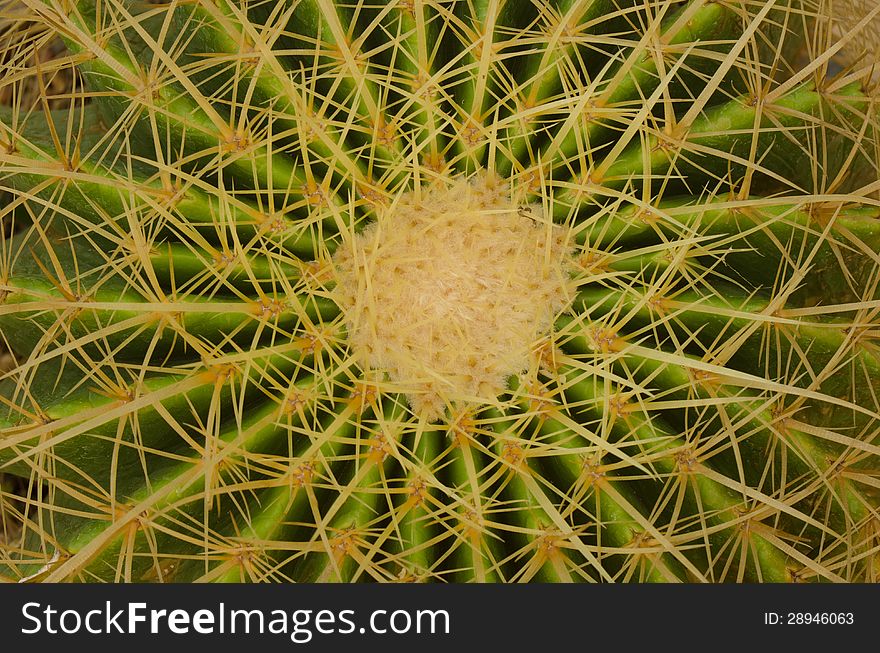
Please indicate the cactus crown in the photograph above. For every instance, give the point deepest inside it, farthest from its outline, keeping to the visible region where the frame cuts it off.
(451, 292)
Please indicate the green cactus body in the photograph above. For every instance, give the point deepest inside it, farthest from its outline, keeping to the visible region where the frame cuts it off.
(441, 290)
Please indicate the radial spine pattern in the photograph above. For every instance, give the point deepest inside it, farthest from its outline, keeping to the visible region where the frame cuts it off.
(438, 290)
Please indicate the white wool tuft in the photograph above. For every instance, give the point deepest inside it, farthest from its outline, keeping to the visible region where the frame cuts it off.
(448, 293)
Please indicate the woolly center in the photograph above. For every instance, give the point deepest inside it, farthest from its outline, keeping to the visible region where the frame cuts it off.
(449, 291)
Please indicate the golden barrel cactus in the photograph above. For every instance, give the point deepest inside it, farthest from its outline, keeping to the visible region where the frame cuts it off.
(438, 290)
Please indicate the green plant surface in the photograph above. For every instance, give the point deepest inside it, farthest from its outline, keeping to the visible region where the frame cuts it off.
(438, 290)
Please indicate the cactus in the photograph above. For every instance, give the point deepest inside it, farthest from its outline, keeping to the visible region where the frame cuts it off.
(440, 290)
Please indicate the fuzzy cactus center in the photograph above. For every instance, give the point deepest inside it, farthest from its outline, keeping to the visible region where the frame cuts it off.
(450, 290)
